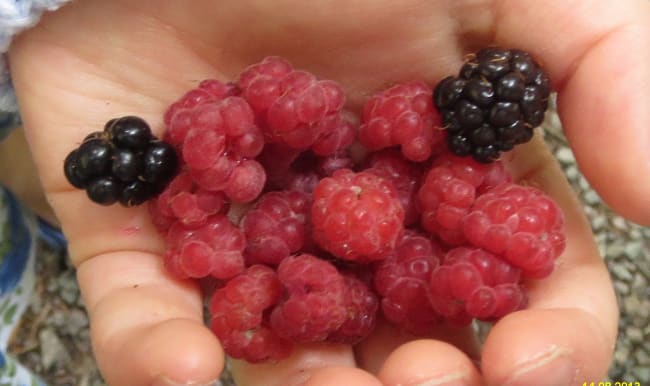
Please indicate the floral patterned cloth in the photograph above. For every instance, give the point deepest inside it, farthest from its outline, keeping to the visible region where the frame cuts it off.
(19, 230)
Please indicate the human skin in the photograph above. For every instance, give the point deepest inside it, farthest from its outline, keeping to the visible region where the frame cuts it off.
(93, 60)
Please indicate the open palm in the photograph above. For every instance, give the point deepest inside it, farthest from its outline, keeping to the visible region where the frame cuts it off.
(94, 60)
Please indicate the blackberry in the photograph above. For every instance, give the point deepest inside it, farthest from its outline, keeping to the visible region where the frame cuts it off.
(495, 102)
(157, 161)
(125, 163)
(72, 172)
(104, 190)
(94, 157)
(130, 132)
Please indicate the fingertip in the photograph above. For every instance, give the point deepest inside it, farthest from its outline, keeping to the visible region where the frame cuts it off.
(372, 352)
(181, 351)
(305, 361)
(429, 362)
(342, 376)
(547, 347)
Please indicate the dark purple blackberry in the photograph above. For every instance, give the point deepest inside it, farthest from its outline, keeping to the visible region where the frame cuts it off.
(94, 157)
(71, 170)
(159, 162)
(136, 192)
(104, 190)
(495, 102)
(125, 163)
(130, 132)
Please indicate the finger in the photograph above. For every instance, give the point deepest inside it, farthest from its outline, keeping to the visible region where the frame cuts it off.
(567, 334)
(597, 54)
(372, 352)
(342, 376)
(429, 362)
(303, 364)
(147, 326)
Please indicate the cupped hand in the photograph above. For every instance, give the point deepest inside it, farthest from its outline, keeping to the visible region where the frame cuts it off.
(93, 60)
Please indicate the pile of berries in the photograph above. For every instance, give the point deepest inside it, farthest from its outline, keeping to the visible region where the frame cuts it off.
(308, 240)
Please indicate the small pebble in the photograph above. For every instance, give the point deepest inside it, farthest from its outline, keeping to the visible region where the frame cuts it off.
(591, 197)
(621, 272)
(619, 223)
(634, 334)
(53, 351)
(633, 249)
(621, 288)
(565, 155)
(642, 374)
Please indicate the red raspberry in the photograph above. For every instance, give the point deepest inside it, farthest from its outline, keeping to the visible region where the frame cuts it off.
(184, 201)
(277, 160)
(291, 169)
(474, 283)
(218, 140)
(450, 189)
(326, 166)
(308, 169)
(402, 281)
(520, 223)
(276, 226)
(362, 305)
(238, 316)
(213, 249)
(294, 107)
(315, 305)
(404, 175)
(403, 115)
(338, 133)
(356, 216)
(178, 117)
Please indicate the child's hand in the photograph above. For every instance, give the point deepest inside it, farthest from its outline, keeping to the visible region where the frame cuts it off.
(94, 60)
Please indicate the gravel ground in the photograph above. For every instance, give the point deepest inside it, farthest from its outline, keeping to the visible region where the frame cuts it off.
(53, 340)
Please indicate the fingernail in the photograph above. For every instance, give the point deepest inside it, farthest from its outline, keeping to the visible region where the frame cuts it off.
(456, 379)
(165, 381)
(552, 367)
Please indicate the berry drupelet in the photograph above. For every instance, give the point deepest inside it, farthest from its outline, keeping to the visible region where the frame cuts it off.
(494, 103)
(124, 163)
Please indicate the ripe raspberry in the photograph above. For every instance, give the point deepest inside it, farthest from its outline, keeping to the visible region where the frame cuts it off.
(520, 223)
(308, 169)
(182, 200)
(327, 165)
(402, 281)
(290, 169)
(474, 283)
(276, 226)
(362, 305)
(403, 115)
(238, 316)
(449, 190)
(494, 104)
(404, 175)
(294, 107)
(356, 216)
(315, 303)
(208, 91)
(277, 160)
(219, 141)
(338, 133)
(212, 249)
